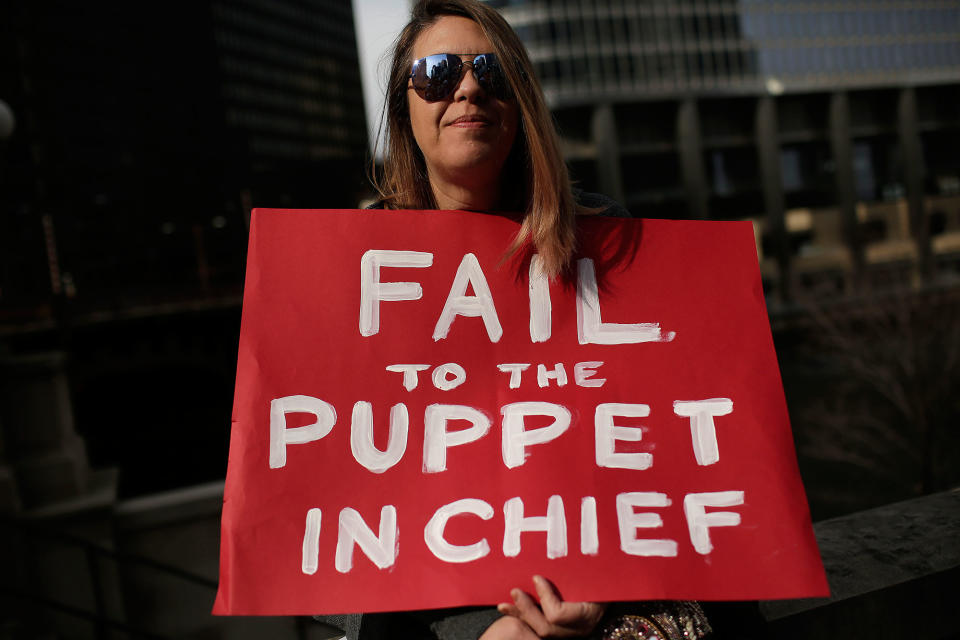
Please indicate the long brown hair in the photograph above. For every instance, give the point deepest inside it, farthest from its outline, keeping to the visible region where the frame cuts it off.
(537, 180)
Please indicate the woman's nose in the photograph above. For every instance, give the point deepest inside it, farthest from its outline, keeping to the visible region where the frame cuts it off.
(469, 88)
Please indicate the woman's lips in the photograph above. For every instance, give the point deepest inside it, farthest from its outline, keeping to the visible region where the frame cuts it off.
(471, 122)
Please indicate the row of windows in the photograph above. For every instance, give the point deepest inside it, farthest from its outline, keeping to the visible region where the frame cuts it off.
(310, 39)
(635, 49)
(285, 148)
(613, 67)
(659, 29)
(317, 81)
(522, 11)
(317, 130)
(697, 32)
(622, 71)
(797, 6)
(331, 17)
(798, 61)
(728, 132)
(299, 81)
(311, 107)
(900, 21)
(537, 10)
(332, 63)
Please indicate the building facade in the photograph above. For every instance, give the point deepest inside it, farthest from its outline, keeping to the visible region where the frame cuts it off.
(831, 125)
(144, 135)
(147, 133)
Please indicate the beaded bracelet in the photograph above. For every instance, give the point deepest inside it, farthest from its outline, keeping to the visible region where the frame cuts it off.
(660, 620)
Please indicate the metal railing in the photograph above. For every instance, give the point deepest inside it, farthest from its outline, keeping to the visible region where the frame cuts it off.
(37, 540)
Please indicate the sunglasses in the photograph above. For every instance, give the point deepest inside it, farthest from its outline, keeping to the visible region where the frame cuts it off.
(436, 77)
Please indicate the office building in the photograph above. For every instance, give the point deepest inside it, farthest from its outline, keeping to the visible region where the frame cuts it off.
(832, 125)
(147, 132)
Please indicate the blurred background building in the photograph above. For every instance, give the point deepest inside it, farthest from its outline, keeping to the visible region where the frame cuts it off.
(135, 139)
(145, 137)
(833, 126)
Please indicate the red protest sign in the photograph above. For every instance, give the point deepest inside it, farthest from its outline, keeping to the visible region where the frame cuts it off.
(417, 425)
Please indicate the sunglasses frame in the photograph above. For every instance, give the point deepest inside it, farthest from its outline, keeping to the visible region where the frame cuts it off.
(488, 72)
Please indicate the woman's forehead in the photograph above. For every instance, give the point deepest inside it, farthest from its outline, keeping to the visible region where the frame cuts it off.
(451, 34)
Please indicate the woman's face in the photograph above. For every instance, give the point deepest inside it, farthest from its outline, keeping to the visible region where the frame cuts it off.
(466, 137)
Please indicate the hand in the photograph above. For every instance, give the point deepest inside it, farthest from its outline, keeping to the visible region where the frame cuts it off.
(553, 618)
(507, 628)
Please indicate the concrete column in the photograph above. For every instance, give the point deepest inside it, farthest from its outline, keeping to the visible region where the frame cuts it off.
(690, 144)
(842, 150)
(768, 150)
(47, 456)
(913, 174)
(604, 131)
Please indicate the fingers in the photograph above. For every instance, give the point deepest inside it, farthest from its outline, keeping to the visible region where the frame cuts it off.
(528, 611)
(571, 618)
(547, 593)
(555, 610)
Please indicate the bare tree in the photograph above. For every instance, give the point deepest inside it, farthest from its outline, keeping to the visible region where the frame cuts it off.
(889, 387)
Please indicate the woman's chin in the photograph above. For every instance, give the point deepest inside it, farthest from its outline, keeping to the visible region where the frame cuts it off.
(477, 157)
(474, 171)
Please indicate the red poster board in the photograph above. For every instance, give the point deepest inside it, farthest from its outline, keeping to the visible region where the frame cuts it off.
(418, 424)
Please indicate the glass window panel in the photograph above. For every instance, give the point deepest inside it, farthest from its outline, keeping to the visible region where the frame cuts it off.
(916, 21)
(890, 58)
(834, 23)
(883, 21)
(913, 23)
(749, 23)
(954, 55)
(886, 52)
(881, 24)
(793, 26)
(771, 24)
(858, 22)
(835, 59)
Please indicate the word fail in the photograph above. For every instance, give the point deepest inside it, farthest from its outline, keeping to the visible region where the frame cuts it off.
(591, 329)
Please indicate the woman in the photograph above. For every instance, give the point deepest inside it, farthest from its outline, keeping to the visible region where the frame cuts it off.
(462, 140)
(468, 129)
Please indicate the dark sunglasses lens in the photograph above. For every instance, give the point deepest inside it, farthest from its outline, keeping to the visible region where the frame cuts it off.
(436, 76)
(490, 75)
